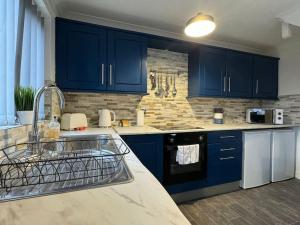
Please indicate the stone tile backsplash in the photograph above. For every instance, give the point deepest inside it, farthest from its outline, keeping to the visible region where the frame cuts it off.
(160, 111)
(291, 106)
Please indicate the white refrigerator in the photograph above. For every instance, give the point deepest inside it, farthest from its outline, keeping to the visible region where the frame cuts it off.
(256, 158)
(283, 155)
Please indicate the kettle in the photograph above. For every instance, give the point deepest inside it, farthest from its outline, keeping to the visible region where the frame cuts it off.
(106, 117)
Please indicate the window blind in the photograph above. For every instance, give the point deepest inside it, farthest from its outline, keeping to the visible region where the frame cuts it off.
(29, 69)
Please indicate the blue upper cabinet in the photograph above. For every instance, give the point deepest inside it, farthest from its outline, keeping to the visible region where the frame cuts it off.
(239, 72)
(217, 72)
(265, 78)
(94, 58)
(127, 54)
(80, 56)
(207, 71)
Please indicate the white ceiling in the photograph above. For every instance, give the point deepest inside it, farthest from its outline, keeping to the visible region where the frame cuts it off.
(250, 23)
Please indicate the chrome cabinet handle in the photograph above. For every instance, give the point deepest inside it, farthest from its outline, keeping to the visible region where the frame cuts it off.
(227, 149)
(227, 158)
(224, 84)
(102, 74)
(110, 74)
(223, 137)
(229, 84)
(256, 89)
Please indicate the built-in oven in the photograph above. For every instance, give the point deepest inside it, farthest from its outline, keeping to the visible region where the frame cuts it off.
(177, 172)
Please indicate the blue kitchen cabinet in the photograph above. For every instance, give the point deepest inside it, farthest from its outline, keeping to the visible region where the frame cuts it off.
(224, 157)
(207, 72)
(80, 56)
(239, 70)
(127, 55)
(97, 59)
(216, 72)
(265, 78)
(149, 150)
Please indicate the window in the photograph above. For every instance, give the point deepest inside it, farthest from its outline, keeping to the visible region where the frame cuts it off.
(21, 52)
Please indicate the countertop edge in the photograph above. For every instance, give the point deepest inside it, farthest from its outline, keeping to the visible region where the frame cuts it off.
(210, 128)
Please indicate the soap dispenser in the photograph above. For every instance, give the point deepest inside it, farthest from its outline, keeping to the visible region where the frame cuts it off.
(53, 129)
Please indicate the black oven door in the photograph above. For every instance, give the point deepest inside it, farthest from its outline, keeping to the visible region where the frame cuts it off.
(178, 173)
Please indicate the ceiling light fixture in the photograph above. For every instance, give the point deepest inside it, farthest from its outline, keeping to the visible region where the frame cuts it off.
(200, 25)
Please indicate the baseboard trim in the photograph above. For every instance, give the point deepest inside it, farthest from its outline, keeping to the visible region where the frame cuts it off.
(206, 192)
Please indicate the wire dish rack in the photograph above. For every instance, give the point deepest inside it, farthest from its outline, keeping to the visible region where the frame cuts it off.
(61, 165)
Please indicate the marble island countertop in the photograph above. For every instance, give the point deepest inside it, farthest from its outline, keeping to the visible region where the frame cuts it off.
(205, 127)
(141, 202)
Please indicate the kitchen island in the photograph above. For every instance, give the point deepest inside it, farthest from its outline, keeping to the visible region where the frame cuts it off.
(143, 201)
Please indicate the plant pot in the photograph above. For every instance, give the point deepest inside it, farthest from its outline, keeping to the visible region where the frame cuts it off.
(25, 117)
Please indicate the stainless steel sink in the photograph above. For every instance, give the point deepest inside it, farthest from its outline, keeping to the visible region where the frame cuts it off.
(68, 164)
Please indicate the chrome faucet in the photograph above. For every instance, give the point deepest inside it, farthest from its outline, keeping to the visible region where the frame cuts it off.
(34, 136)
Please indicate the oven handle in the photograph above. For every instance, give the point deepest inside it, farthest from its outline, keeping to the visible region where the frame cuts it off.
(173, 148)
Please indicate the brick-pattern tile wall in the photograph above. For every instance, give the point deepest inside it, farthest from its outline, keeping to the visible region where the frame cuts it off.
(10, 136)
(291, 106)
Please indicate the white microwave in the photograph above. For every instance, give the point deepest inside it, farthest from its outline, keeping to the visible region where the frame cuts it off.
(264, 116)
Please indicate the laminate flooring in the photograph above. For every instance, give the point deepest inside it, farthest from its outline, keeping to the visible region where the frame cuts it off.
(276, 203)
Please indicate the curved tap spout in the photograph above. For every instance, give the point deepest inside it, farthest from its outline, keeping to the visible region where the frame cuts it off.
(34, 136)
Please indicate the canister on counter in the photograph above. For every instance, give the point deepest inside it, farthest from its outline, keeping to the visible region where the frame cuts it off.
(218, 115)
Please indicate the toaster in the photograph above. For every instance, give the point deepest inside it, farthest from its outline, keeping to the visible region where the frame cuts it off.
(73, 121)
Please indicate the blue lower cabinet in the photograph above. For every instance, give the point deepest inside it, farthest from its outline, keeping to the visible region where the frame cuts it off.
(224, 157)
(149, 150)
(223, 169)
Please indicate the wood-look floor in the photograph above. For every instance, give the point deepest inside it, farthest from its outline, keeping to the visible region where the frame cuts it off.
(276, 203)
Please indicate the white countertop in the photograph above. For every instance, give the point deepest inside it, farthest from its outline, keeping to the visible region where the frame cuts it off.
(206, 127)
(141, 202)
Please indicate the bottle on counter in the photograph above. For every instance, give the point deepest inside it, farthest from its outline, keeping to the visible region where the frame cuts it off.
(53, 130)
(218, 115)
(140, 117)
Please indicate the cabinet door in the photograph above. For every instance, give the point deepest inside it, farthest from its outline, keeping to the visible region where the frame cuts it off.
(265, 82)
(212, 71)
(127, 55)
(80, 56)
(149, 150)
(224, 163)
(239, 74)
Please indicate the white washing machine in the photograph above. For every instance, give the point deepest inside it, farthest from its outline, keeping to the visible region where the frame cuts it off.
(283, 154)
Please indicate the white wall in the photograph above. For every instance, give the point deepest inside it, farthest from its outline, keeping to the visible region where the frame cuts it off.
(297, 172)
(289, 65)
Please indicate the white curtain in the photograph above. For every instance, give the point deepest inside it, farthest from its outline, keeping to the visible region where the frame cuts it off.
(32, 60)
(9, 10)
(31, 47)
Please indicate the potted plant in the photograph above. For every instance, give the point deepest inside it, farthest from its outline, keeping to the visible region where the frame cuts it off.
(24, 99)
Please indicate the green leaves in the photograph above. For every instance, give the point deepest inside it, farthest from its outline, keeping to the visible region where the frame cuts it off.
(24, 98)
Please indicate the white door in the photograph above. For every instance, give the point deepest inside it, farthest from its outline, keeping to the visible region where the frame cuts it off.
(297, 173)
(283, 154)
(256, 158)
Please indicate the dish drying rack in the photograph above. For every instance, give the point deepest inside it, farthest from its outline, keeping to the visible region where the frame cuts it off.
(60, 165)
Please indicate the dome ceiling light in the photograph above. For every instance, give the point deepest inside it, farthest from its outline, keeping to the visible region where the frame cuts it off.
(200, 25)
